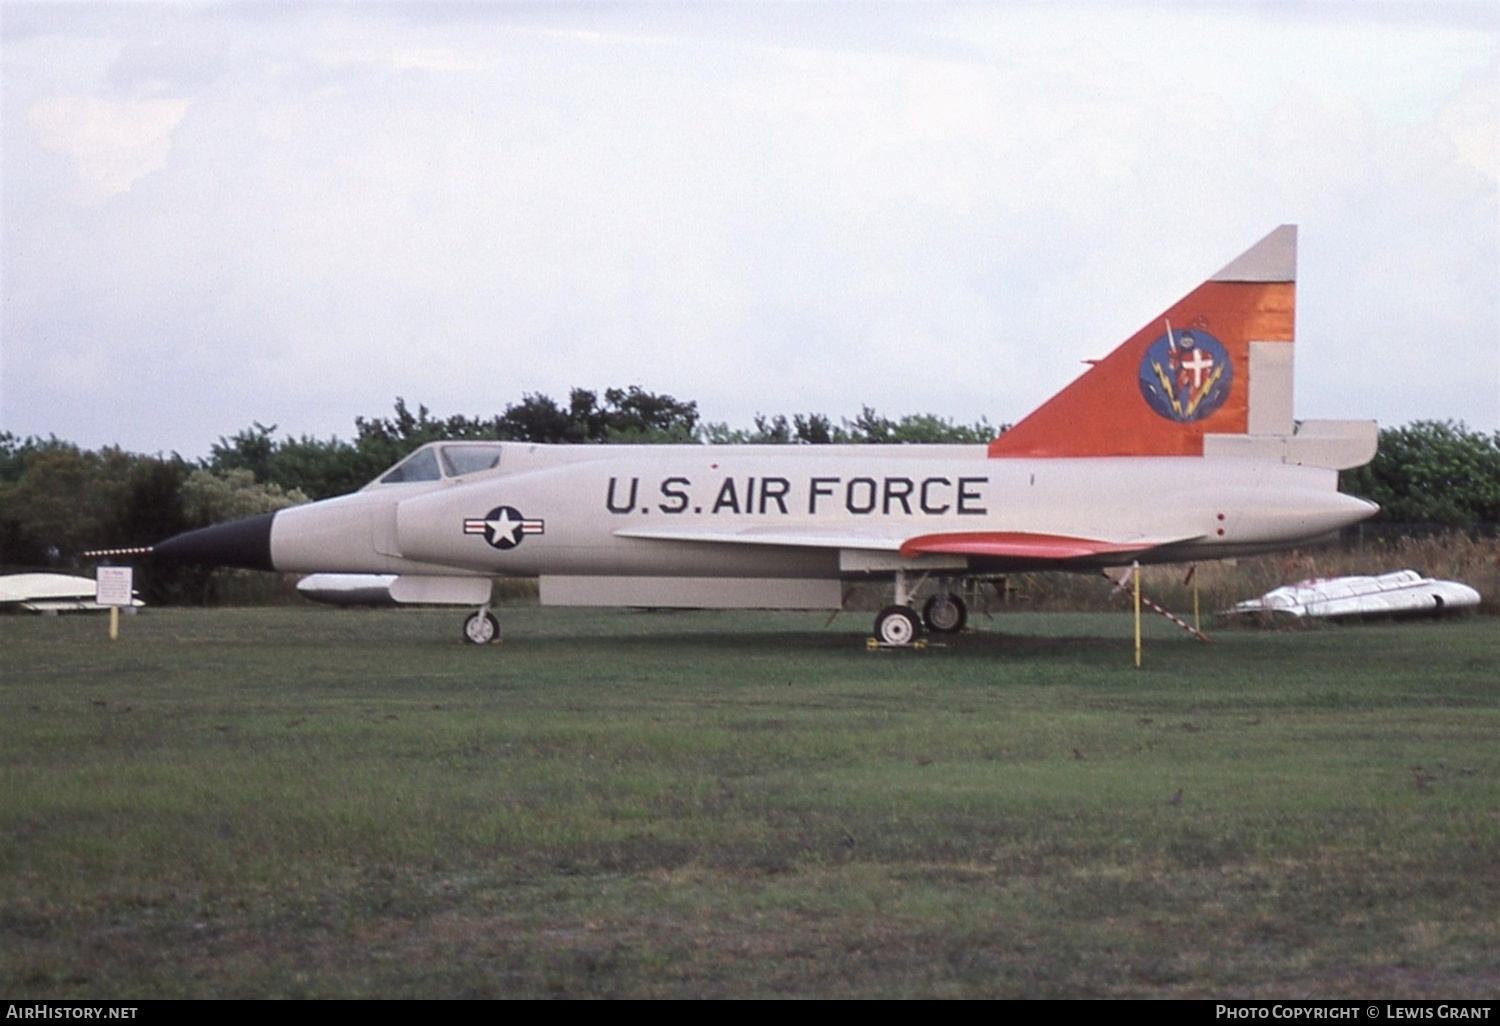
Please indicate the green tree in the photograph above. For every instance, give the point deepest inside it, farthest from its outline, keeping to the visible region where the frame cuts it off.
(538, 418)
(814, 429)
(1432, 472)
(626, 415)
(635, 415)
(381, 442)
(212, 497)
(915, 429)
(60, 500)
(149, 507)
(321, 469)
(10, 457)
(252, 449)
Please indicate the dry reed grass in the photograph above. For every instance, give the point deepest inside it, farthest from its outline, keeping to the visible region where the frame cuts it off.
(1452, 556)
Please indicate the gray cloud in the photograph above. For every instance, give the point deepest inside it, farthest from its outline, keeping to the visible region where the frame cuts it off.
(293, 214)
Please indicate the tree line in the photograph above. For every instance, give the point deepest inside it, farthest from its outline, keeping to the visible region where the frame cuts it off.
(58, 500)
(1432, 472)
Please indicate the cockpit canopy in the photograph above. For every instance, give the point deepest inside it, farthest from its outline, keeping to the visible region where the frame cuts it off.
(438, 460)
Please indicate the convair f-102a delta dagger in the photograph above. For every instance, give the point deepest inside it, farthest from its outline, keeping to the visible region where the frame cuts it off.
(1178, 446)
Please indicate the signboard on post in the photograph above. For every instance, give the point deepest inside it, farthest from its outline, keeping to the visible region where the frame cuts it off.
(113, 587)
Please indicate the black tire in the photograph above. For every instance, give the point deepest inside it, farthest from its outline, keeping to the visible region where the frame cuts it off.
(481, 628)
(897, 625)
(945, 613)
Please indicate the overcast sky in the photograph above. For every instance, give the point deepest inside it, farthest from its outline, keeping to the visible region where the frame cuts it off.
(293, 213)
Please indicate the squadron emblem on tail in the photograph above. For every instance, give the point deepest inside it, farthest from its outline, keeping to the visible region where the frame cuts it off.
(1186, 375)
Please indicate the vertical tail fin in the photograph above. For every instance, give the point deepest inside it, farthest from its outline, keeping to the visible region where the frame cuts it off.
(1217, 362)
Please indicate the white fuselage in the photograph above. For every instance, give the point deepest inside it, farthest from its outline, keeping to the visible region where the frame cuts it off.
(798, 511)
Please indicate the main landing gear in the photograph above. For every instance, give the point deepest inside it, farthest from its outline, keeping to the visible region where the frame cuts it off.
(481, 628)
(943, 613)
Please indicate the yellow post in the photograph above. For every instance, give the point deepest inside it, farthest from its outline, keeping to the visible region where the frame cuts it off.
(1135, 570)
(114, 623)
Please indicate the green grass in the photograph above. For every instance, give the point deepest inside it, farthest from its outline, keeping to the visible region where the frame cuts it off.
(331, 803)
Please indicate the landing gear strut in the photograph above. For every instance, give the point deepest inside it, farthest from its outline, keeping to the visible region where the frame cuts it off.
(481, 627)
(898, 624)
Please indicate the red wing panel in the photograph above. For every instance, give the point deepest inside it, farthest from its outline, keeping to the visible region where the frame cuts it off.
(1016, 545)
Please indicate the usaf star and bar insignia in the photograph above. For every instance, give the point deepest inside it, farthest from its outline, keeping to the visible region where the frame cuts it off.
(504, 527)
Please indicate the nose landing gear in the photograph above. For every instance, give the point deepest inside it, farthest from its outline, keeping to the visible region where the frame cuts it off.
(481, 628)
(897, 625)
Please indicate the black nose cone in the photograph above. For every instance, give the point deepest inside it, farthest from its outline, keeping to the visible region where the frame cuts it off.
(242, 543)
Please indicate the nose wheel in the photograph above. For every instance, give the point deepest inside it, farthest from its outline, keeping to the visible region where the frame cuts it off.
(897, 625)
(481, 628)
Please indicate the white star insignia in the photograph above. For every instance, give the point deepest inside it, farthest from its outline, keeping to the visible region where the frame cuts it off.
(503, 527)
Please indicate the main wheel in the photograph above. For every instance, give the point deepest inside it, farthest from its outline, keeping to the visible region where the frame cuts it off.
(481, 627)
(897, 625)
(945, 613)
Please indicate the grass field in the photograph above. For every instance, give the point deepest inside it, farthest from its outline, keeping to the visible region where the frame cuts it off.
(309, 802)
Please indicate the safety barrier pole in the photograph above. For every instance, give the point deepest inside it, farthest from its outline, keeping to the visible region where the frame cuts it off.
(1135, 571)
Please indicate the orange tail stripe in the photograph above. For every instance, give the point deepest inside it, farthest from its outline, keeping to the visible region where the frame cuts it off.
(1103, 413)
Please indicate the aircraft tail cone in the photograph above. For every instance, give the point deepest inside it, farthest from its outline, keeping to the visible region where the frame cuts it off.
(241, 543)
